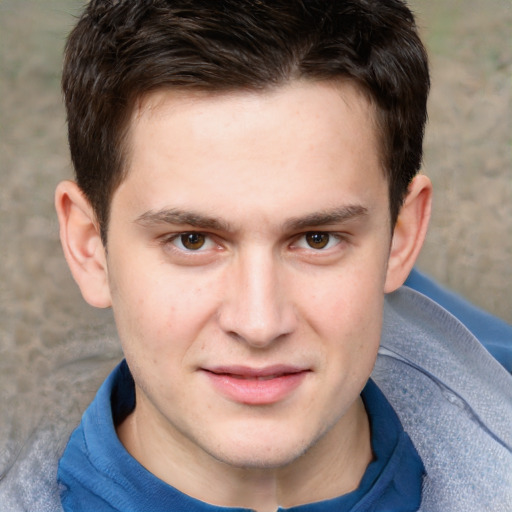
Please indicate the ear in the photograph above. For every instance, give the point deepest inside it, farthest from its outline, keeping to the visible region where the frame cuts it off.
(82, 245)
(409, 232)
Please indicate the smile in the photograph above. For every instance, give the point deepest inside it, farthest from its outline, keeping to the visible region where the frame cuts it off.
(256, 378)
(256, 386)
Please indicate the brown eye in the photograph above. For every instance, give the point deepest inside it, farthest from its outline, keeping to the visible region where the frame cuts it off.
(193, 241)
(317, 240)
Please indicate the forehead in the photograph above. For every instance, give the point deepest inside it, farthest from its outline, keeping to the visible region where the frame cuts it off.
(245, 147)
(319, 101)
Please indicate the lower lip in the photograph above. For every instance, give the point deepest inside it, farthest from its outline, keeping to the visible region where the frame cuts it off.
(256, 391)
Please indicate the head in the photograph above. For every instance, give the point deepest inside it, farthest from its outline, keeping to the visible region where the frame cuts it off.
(120, 51)
(239, 166)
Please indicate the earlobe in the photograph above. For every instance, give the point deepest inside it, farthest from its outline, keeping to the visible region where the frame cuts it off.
(409, 233)
(82, 245)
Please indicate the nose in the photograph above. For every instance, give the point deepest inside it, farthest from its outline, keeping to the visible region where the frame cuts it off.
(256, 308)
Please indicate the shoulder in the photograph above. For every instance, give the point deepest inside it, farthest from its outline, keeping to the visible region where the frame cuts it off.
(30, 482)
(454, 400)
(28, 478)
(492, 332)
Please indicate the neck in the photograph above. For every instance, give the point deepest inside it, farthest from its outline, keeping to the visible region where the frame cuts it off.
(333, 466)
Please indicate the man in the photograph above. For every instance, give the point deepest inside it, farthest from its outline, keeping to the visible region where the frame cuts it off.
(247, 195)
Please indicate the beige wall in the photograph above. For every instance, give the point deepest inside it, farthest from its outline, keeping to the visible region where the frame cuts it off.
(469, 148)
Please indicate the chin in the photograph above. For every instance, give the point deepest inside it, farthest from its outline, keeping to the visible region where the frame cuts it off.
(273, 453)
(260, 461)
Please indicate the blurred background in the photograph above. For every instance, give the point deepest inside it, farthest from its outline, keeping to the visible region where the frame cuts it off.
(51, 340)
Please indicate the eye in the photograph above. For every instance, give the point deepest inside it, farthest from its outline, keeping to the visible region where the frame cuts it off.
(192, 241)
(318, 240)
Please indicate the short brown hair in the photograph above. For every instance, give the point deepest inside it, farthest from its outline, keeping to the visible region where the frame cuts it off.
(122, 49)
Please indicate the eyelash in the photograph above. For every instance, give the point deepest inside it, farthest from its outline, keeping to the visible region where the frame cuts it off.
(169, 241)
(332, 237)
(209, 240)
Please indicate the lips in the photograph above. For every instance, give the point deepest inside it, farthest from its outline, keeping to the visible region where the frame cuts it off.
(256, 386)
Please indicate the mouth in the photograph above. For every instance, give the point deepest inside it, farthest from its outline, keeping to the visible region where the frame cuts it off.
(256, 386)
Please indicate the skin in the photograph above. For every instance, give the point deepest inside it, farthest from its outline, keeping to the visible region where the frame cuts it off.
(250, 238)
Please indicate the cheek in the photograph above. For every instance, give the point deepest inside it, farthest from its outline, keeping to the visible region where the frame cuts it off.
(349, 300)
(345, 311)
(158, 312)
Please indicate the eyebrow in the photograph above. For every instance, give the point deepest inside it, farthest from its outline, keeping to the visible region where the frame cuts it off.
(175, 216)
(200, 221)
(326, 217)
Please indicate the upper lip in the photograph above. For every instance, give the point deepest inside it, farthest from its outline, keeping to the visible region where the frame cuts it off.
(247, 372)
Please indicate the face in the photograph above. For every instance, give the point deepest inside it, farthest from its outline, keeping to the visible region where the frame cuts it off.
(247, 256)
